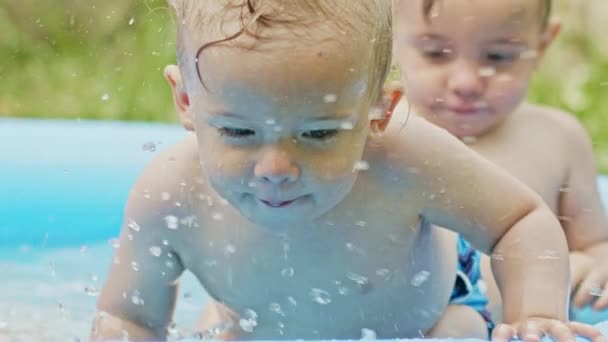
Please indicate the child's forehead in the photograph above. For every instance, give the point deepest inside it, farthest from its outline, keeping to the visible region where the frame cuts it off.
(326, 67)
(447, 14)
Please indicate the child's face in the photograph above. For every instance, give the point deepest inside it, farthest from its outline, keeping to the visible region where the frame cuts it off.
(468, 65)
(280, 130)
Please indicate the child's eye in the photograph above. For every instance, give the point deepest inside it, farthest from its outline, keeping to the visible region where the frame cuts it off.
(500, 57)
(235, 132)
(320, 134)
(436, 54)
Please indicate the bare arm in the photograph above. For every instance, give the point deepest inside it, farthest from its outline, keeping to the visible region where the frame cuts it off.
(497, 214)
(139, 295)
(581, 212)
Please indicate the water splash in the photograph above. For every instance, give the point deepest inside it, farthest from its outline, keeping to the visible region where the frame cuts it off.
(320, 296)
(249, 321)
(420, 278)
(149, 147)
(172, 222)
(361, 165)
(133, 225)
(156, 251)
(330, 98)
(91, 291)
(288, 272)
(276, 308)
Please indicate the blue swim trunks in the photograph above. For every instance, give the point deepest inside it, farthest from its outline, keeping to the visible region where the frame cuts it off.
(467, 287)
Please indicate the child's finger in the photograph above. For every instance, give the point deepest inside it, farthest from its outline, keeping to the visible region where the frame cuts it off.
(589, 286)
(587, 331)
(531, 332)
(503, 333)
(602, 302)
(561, 332)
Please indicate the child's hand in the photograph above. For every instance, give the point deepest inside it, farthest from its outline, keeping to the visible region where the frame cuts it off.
(533, 330)
(592, 286)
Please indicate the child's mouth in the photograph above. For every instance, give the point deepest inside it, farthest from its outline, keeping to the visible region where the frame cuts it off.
(278, 204)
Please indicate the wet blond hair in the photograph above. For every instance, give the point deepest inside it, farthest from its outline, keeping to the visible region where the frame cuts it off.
(348, 20)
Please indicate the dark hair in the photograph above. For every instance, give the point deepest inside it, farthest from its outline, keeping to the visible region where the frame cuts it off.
(427, 6)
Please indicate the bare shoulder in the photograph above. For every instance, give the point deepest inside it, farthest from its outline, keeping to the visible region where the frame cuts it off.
(164, 186)
(551, 119)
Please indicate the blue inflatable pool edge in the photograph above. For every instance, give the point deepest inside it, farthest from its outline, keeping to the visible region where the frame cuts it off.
(603, 327)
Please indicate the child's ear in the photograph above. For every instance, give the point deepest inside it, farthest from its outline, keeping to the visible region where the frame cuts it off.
(391, 95)
(180, 96)
(550, 33)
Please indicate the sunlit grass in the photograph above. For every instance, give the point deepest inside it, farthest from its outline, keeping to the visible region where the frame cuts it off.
(104, 59)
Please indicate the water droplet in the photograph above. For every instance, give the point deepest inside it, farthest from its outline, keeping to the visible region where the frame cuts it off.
(91, 291)
(368, 335)
(165, 242)
(169, 264)
(271, 122)
(249, 321)
(347, 125)
(320, 296)
(136, 298)
(149, 147)
(362, 283)
(276, 308)
(165, 196)
(134, 266)
(172, 222)
(105, 97)
(384, 273)
(343, 289)
(156, 251)
(146, 194)
(361, 224)
(131, 21)
(292, 301)
(229, 249)
(549, 255)
(361, 165)
(420, 278)
(218, 216)
(133, 225)
(354, 248)
(330, 98)
(288, 272)
(487, 72)
(94, 277)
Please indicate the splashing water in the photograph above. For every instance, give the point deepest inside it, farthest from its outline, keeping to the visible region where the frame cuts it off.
(136, 298)
(249, 321)
(91, 291)
(368, 335)
(330, 98)
(276, 308)
(420, 278)
(156, 251)
(149, 147)
(172, 222)
(361, 165)
(320, 296)
(288, 272)
(133, 225)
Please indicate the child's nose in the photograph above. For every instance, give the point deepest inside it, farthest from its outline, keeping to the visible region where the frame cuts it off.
(466, 81)
(276, 166)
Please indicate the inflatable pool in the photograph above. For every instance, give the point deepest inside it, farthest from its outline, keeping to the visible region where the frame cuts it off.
(64, 184)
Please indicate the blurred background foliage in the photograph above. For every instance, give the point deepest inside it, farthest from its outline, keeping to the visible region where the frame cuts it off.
(94, 59)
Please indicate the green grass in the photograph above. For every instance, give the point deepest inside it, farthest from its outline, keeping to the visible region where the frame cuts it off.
(103, 59)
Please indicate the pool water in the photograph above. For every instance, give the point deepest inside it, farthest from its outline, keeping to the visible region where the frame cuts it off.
(63, 189)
